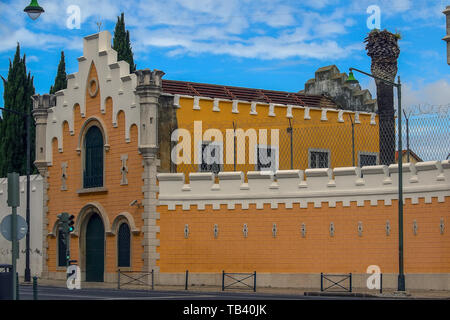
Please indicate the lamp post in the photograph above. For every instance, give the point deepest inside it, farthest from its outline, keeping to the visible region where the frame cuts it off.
(34, 11)
(351, 80)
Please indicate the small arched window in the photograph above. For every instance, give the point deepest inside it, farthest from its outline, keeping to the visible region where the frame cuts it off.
(93, 165)
(123, 246)
(62, 262)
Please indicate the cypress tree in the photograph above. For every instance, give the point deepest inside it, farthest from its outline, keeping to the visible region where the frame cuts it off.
(61, 76)
(18, 89)
(122, 44)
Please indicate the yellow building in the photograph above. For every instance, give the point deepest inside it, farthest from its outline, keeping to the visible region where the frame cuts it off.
(101, 142)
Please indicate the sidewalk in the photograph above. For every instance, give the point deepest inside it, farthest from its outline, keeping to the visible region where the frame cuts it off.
(389, 293)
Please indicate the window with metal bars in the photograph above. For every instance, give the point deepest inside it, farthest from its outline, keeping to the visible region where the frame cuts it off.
(93, 166)
(319, 159)
(123, 246)
(267, 158)
(211, 156)
(367, 159)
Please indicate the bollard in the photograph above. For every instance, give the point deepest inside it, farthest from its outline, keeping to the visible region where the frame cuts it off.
(350, 289)
(153, 280)
(321, 281)
(186, 283)
(17, 286)
(35, 289)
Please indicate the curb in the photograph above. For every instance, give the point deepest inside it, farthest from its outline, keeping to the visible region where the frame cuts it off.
(340, 294)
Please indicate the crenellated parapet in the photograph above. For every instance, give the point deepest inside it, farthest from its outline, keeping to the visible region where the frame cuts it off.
(288, 187)
(115, 83)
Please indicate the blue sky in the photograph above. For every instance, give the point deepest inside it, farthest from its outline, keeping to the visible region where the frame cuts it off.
(269, 44)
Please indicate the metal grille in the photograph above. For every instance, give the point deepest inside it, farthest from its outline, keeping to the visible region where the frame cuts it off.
(302, 144)
(124, 246)
(93, 172)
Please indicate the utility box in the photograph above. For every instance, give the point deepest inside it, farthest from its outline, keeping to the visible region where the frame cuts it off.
(6, 282)
(13, 190)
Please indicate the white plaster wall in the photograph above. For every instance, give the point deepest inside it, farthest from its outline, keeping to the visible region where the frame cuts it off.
(115, 81)
(36, 214)
(424, 180)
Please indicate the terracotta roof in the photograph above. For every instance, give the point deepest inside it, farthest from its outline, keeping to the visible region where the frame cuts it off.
(246, 94)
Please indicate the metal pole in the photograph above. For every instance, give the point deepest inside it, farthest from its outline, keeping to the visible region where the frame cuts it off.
(401, 276)
(381, 283)
(292, 147)
(118, 279)
(321, 281)
(407, 137)
(254, 281)
(350, 282)
(186, 283)
(353, 140)
(27, 277)
(15, 250)
(234, 146)
(223, 280)
(35, 288)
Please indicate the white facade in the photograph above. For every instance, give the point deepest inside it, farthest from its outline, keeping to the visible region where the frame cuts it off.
(36, 216)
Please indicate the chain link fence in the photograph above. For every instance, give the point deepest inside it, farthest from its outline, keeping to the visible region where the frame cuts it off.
(298, 144)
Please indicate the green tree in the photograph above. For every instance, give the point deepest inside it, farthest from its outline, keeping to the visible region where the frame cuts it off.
(18, 89)
(61, 76)
(122, 44)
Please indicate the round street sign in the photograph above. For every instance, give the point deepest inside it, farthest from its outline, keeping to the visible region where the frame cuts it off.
(5, 227)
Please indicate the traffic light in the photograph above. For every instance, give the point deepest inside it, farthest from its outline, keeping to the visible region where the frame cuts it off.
(71, 223)
(63, 219)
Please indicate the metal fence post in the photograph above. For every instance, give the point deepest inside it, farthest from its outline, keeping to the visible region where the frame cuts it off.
(35, 289)
(223, 280)
(381, 283)
(186, 283)
(350, 282)
(118, 279)
(254, 281)
(321, 281)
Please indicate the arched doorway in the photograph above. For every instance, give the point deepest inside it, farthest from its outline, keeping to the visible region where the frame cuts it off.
(95, 249)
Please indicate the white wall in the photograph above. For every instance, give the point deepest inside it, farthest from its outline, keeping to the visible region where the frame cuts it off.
(36, 204)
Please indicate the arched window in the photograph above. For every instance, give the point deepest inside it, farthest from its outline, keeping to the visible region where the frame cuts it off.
(62, 262)
(123, 246)
(93, 166)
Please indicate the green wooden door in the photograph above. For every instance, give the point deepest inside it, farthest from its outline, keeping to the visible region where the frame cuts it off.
(95, 249)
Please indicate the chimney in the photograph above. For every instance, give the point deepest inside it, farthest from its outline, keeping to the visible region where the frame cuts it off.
(447, 37)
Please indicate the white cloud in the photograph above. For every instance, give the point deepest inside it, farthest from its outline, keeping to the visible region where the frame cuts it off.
(264, 29)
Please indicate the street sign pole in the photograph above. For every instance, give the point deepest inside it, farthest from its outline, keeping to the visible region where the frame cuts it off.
(14, 202)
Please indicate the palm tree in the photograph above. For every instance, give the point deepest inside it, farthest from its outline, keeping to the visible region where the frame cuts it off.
(382, 47)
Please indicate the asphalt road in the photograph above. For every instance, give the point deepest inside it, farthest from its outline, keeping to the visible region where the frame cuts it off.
(58, 293)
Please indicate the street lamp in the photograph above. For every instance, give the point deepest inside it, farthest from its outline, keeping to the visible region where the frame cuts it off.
(351, 80)
(33, 10)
